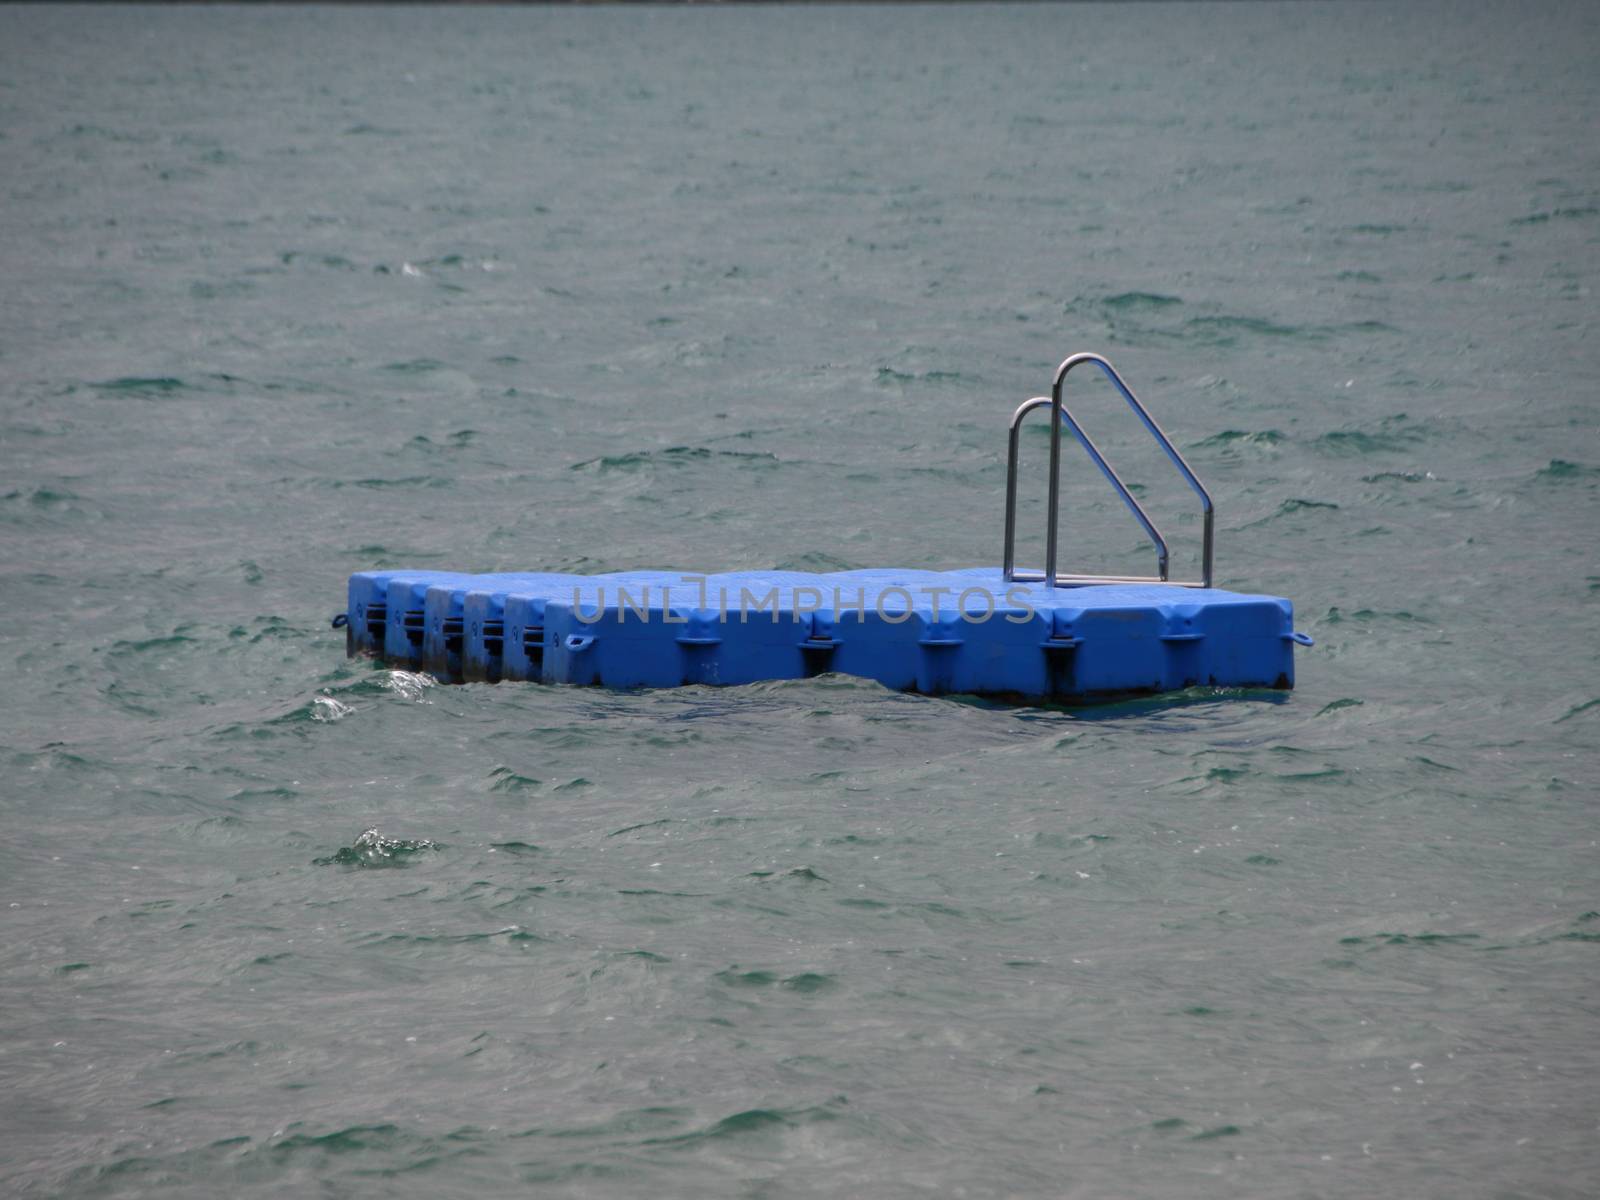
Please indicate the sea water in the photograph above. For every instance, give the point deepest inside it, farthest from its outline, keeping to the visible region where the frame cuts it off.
(295, 292)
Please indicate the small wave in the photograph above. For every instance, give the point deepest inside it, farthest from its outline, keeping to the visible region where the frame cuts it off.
(460, 439)
(505, 780)
(1555, 214)
(804, 874)
(865, 902)
(83, 130)
(1291, 507)
(639, 826)
(223, 290)
(654, 1119)
(1225, 330)
(1336, 705)
(1400, 477)
(647, 956)
(1221, 1131)
(1336, 615)
(810, 983)
(1412, 939)
(405, 481)
(458, 262)
(326, 708)
(160, 645)
(1297, 505)
(734, 977)
(890, 375)
(516, 849)
(144, 385)
(373, 849)
(408, 685)
(50, 501)
(755, 1121)
(1347, 443)
(334, 262)
(226, 1161)
(512, 935)
(1230, 438)
(1140, 301)
(1561, 471)
(815, 561)
(672, 456)
(53, 759)
(1314, 776)
(1425, 761)
(1578, 710)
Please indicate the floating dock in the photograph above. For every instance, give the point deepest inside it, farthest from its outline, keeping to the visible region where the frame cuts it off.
(1007, 632)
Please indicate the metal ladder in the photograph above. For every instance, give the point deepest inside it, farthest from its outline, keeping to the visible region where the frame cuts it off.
(1058, 413)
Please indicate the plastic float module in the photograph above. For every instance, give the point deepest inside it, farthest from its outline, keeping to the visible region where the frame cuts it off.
(1018, 634)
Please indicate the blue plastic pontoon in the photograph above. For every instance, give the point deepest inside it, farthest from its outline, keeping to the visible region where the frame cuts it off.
(1006, 632)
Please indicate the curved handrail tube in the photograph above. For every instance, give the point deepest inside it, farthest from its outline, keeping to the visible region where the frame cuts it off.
(1008, 562)
(1206, 507)
(1058, 413)
(1137, 509)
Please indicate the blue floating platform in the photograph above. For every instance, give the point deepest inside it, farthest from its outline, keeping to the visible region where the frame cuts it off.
(1008, 632)
(936, 632)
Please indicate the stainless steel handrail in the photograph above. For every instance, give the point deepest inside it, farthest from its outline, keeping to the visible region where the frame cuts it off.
(1134, 506)
(1058, 412)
